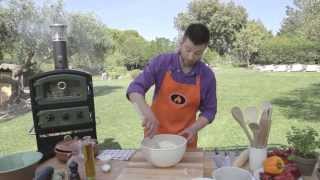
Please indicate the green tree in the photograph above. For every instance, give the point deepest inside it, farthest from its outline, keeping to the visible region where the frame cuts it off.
(7, 33)
(133, 48)
(288, 50)
(26, 26)
(303, 19)
(158, 46)
(224, 20)
(133, 51)
(249, 41)
(29, 29)
(210, 57)
(130, 48)
(88, 42)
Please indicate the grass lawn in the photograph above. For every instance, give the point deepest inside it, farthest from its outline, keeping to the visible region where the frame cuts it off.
(295, 98)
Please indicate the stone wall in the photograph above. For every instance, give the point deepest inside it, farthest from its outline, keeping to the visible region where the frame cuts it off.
(287, 68)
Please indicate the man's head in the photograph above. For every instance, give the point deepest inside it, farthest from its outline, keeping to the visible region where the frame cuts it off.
(194, 43)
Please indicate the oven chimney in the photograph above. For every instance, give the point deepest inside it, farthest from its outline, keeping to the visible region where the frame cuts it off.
(59, 46)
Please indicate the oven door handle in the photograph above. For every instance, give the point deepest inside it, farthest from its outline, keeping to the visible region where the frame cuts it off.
(31, 131)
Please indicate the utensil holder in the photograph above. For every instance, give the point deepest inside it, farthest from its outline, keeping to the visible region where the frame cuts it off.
(256, 157)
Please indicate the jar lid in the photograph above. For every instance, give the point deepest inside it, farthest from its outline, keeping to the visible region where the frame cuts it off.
(67, 145)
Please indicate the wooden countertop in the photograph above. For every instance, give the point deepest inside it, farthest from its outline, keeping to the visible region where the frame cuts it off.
(194, 164)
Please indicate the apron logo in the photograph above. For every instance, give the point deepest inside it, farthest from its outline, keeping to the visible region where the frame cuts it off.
(178, 99)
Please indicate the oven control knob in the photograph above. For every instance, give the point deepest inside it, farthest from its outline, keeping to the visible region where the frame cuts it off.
(80, 115)
(50, 117)
(65, 116)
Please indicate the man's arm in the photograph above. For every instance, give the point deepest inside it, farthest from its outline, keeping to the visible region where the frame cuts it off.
(136, 92)
(149, 121)
(208, 107)
(208, 102)
(200, 123)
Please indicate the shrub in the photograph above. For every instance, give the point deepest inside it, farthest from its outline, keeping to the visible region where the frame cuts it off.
(134, 73)
(305, 141)
(114, 72)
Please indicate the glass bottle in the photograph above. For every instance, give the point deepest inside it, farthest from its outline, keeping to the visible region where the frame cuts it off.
(89, 162)
(78, 158)
(73, 171)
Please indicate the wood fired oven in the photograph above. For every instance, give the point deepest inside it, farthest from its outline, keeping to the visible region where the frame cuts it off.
(62, 100)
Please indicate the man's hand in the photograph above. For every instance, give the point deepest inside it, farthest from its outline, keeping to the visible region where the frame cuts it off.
(150, 123)
(149, 120)
(189, 133)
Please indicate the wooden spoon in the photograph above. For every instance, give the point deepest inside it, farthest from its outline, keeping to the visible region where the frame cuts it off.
(255, 131)
(265, 105)
(251, 115)
(268, 107)
(238, 116)
(269, 123)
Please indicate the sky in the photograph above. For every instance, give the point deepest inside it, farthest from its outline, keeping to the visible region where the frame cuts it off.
(155, 18)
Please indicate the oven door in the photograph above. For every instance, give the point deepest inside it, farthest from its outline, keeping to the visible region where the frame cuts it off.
(61, 88)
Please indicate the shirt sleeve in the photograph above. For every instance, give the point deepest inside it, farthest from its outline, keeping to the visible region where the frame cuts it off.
(142, 83)
(208, 102)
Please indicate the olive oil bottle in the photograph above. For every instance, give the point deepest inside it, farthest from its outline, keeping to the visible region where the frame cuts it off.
(89, 162)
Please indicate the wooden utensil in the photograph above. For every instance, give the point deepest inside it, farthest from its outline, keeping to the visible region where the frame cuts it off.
(269, 123)
(238, 116)
(242, 159)
(251, 115)
(255, 131)
(265, 124)
(267, 105)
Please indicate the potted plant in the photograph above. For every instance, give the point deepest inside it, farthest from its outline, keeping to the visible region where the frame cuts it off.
(305, 142)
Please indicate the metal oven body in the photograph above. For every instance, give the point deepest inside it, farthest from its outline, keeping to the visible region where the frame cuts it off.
(62, 103)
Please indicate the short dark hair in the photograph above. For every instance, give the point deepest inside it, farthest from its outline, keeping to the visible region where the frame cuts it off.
(198, 33)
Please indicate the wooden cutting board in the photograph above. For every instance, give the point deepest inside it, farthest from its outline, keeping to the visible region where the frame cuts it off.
(189, 167)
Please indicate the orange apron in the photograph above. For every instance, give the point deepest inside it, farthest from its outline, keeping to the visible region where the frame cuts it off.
(176, 106)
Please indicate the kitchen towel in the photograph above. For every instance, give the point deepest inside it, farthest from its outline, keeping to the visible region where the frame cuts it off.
(116, 154)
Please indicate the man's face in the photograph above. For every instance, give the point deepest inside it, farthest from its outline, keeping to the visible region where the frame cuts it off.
(190, 52)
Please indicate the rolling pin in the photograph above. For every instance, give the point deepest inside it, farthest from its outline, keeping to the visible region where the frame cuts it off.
(242, 159)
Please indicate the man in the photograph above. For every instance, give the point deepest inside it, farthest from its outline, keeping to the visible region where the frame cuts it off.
(183, 85)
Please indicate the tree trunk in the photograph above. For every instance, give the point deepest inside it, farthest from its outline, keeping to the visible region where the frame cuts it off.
(28, 62)
(247, 56)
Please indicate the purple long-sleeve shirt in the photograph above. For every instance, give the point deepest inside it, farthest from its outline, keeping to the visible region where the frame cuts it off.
(154, 73)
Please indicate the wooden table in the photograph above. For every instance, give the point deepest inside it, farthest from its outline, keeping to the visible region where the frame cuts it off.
(138, 164)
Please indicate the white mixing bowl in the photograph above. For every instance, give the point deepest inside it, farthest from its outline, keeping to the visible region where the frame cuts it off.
(164, 150)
